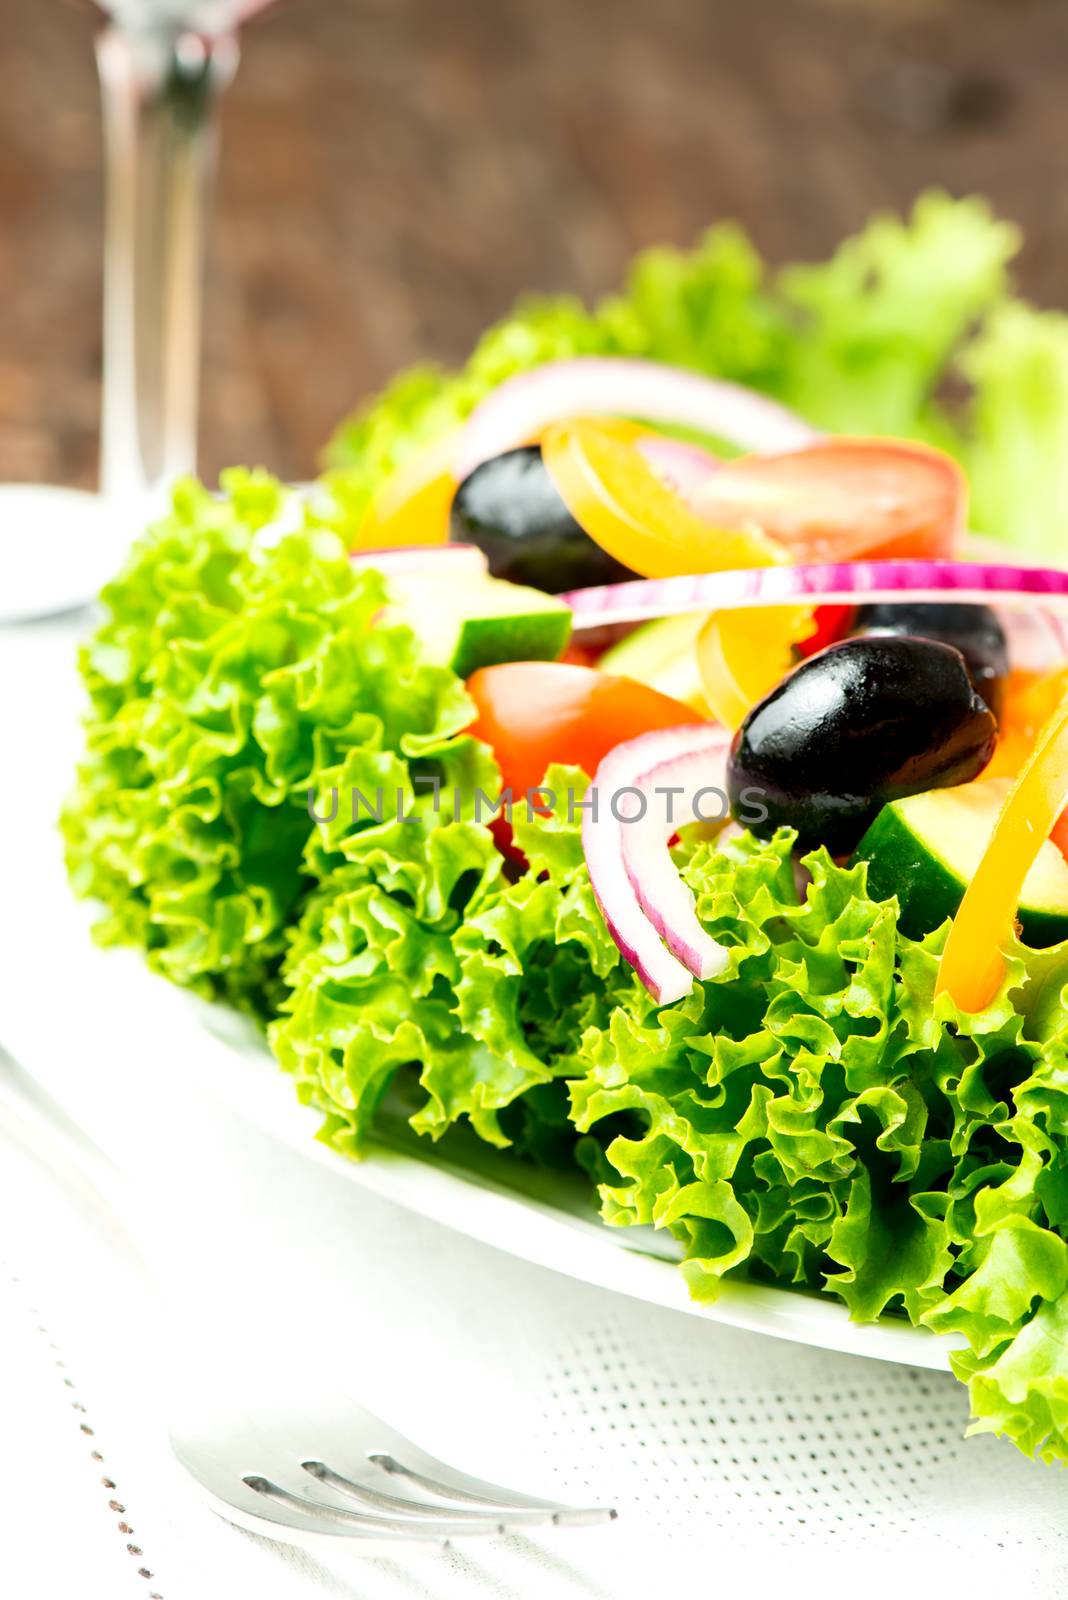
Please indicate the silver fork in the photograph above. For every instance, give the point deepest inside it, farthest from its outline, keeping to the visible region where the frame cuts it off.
(336, 1472)
(313, 1469)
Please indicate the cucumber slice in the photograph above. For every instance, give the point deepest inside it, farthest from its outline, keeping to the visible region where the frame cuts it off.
(663, 656)
(475, 622)
(925, 851)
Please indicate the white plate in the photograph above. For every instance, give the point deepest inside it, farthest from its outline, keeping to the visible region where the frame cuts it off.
(111, 1042)
(476, 1194)
(57, 548)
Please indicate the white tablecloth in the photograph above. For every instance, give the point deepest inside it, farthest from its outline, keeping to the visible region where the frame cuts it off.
(738, 1464)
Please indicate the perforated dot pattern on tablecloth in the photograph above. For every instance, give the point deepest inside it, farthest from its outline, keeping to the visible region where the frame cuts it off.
(771, 1441)
(706, 1436)
(787, 1461)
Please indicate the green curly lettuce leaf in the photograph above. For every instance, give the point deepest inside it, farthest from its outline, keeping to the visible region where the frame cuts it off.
(883, 321)
(909, 329)
(1014, 452)
(419, 951)
(817, 1117)
(235, 670)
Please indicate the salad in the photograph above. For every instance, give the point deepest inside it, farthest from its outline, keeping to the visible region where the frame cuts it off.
(633, 767)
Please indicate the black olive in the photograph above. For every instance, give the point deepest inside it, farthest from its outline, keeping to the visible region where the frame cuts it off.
(974, 630)
(864, 722)
(510, 507)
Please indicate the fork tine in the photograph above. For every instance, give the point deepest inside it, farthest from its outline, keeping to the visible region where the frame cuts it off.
(364, 1522)
(272, 1518)
(408, 1505)
(358, 1445)
(316, 1470)
(445, 1482)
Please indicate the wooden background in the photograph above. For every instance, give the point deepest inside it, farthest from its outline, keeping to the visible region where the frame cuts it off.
(394, 172)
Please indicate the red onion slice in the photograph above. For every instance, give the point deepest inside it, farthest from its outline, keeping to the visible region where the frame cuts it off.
(1015, 587)
(674, 790)
(1037, 640)
(622, 386)
(665, 977)
(686, 468)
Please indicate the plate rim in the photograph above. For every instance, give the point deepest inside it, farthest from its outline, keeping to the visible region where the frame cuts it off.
(256, 1089)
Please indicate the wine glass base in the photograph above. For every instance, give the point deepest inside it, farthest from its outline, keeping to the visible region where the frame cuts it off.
(57, 548)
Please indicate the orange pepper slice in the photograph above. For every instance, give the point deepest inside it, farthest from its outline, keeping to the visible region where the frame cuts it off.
(972, 965)
(614, 493)
(412, 506)
(1030, 700)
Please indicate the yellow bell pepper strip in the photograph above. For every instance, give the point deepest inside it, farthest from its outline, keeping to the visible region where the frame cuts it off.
(624, 505)
(413, 504)
(972, 965)
(742, 655)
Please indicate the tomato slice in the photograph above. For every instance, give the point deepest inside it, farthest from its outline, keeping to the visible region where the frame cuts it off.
(1059, 834)
(616, 495)
(532, 713)
(844, 499)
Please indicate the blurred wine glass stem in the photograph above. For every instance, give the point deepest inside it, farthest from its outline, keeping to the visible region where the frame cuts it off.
(161, 89)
